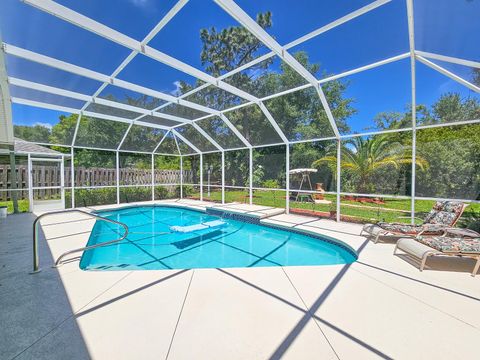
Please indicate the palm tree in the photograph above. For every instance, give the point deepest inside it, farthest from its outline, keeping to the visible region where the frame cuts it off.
(362, 157)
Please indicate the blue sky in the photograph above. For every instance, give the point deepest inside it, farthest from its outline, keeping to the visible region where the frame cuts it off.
(380, 34)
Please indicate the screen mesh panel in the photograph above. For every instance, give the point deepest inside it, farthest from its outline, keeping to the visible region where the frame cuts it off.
(220, 132)
(252, 123)
(141, 138)
(100, 133)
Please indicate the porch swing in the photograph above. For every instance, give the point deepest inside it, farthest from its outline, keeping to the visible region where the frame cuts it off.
(306, 185)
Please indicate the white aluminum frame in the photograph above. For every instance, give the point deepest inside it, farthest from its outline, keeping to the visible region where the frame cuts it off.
(31, 159)
(141, 48)
(411, 41)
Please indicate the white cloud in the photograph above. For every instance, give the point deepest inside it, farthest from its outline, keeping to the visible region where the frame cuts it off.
(176, 92)
(47, 125)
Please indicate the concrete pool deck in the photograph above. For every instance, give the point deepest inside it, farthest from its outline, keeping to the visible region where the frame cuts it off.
(378, 307)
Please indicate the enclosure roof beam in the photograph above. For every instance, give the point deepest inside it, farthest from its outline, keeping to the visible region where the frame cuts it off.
(112, 150)
(22, 101)
(227, 122)
(206, 136)
(448, 73)
(164, 21)
(251, 25)
(155, 126)
(176, 144)
(272, 121)
(454, 60)
(161, 141)
(181, 137)
(78, 70)
(456, 123)
(74, 95)
(337, 22)
(48, 89)
(306, 86)
(365, 67)
(235, 130)
(102, 30)
(300, 40)
(125, 135)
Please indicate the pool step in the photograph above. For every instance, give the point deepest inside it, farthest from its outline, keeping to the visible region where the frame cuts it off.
(245, 212)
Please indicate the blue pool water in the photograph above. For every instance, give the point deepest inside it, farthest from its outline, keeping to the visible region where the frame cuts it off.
(151, 245)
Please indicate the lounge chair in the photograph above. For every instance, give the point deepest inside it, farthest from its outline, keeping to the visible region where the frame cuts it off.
(444, 214)
(425, 246)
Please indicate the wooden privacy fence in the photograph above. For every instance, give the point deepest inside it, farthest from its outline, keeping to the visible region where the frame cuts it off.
(127, 176)
(49, 176)
(6, 182)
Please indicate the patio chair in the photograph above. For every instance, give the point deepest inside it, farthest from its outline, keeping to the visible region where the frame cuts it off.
(443, 215)
(425, 246)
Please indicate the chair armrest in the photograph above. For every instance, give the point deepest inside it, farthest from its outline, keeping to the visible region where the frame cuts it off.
(459, 232)
(434, 227)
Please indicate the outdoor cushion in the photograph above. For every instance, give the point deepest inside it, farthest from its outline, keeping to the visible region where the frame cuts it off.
(431, 214)
(411, 229)
(450, 206)
(443, 218)
(444, 212)
(451, 244)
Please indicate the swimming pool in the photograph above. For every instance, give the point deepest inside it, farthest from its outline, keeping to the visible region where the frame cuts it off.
(151, 244)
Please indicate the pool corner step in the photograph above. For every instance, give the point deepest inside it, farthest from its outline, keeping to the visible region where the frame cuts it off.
(253, 212)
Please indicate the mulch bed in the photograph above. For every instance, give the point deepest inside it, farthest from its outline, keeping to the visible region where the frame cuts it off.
(363, 199)
(327, 215)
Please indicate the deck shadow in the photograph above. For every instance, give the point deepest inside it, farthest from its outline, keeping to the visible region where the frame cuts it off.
(308, 315)
(33, 307)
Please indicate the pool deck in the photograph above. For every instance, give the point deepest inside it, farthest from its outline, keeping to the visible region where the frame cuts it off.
(381, 306)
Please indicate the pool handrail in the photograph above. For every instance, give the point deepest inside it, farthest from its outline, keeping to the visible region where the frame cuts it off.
(36, 262)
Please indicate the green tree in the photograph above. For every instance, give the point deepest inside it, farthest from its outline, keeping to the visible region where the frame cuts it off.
(362, 158)
(451, 151)
(450, 107)
(36, 133)
(62, 132)
(300, 114)
(231, 47)
(453, 155)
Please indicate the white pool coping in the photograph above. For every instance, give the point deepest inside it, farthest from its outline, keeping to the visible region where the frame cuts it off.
(378, 307)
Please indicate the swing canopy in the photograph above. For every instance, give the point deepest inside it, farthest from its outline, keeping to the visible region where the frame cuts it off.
(302, 171)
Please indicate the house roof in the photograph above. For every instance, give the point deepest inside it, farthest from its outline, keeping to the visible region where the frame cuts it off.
(22, 146)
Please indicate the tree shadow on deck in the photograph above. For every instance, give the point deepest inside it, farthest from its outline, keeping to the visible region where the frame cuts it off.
(309, 314)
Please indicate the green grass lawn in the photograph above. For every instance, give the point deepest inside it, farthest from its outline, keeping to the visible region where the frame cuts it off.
(23, 205)
(392, 210)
